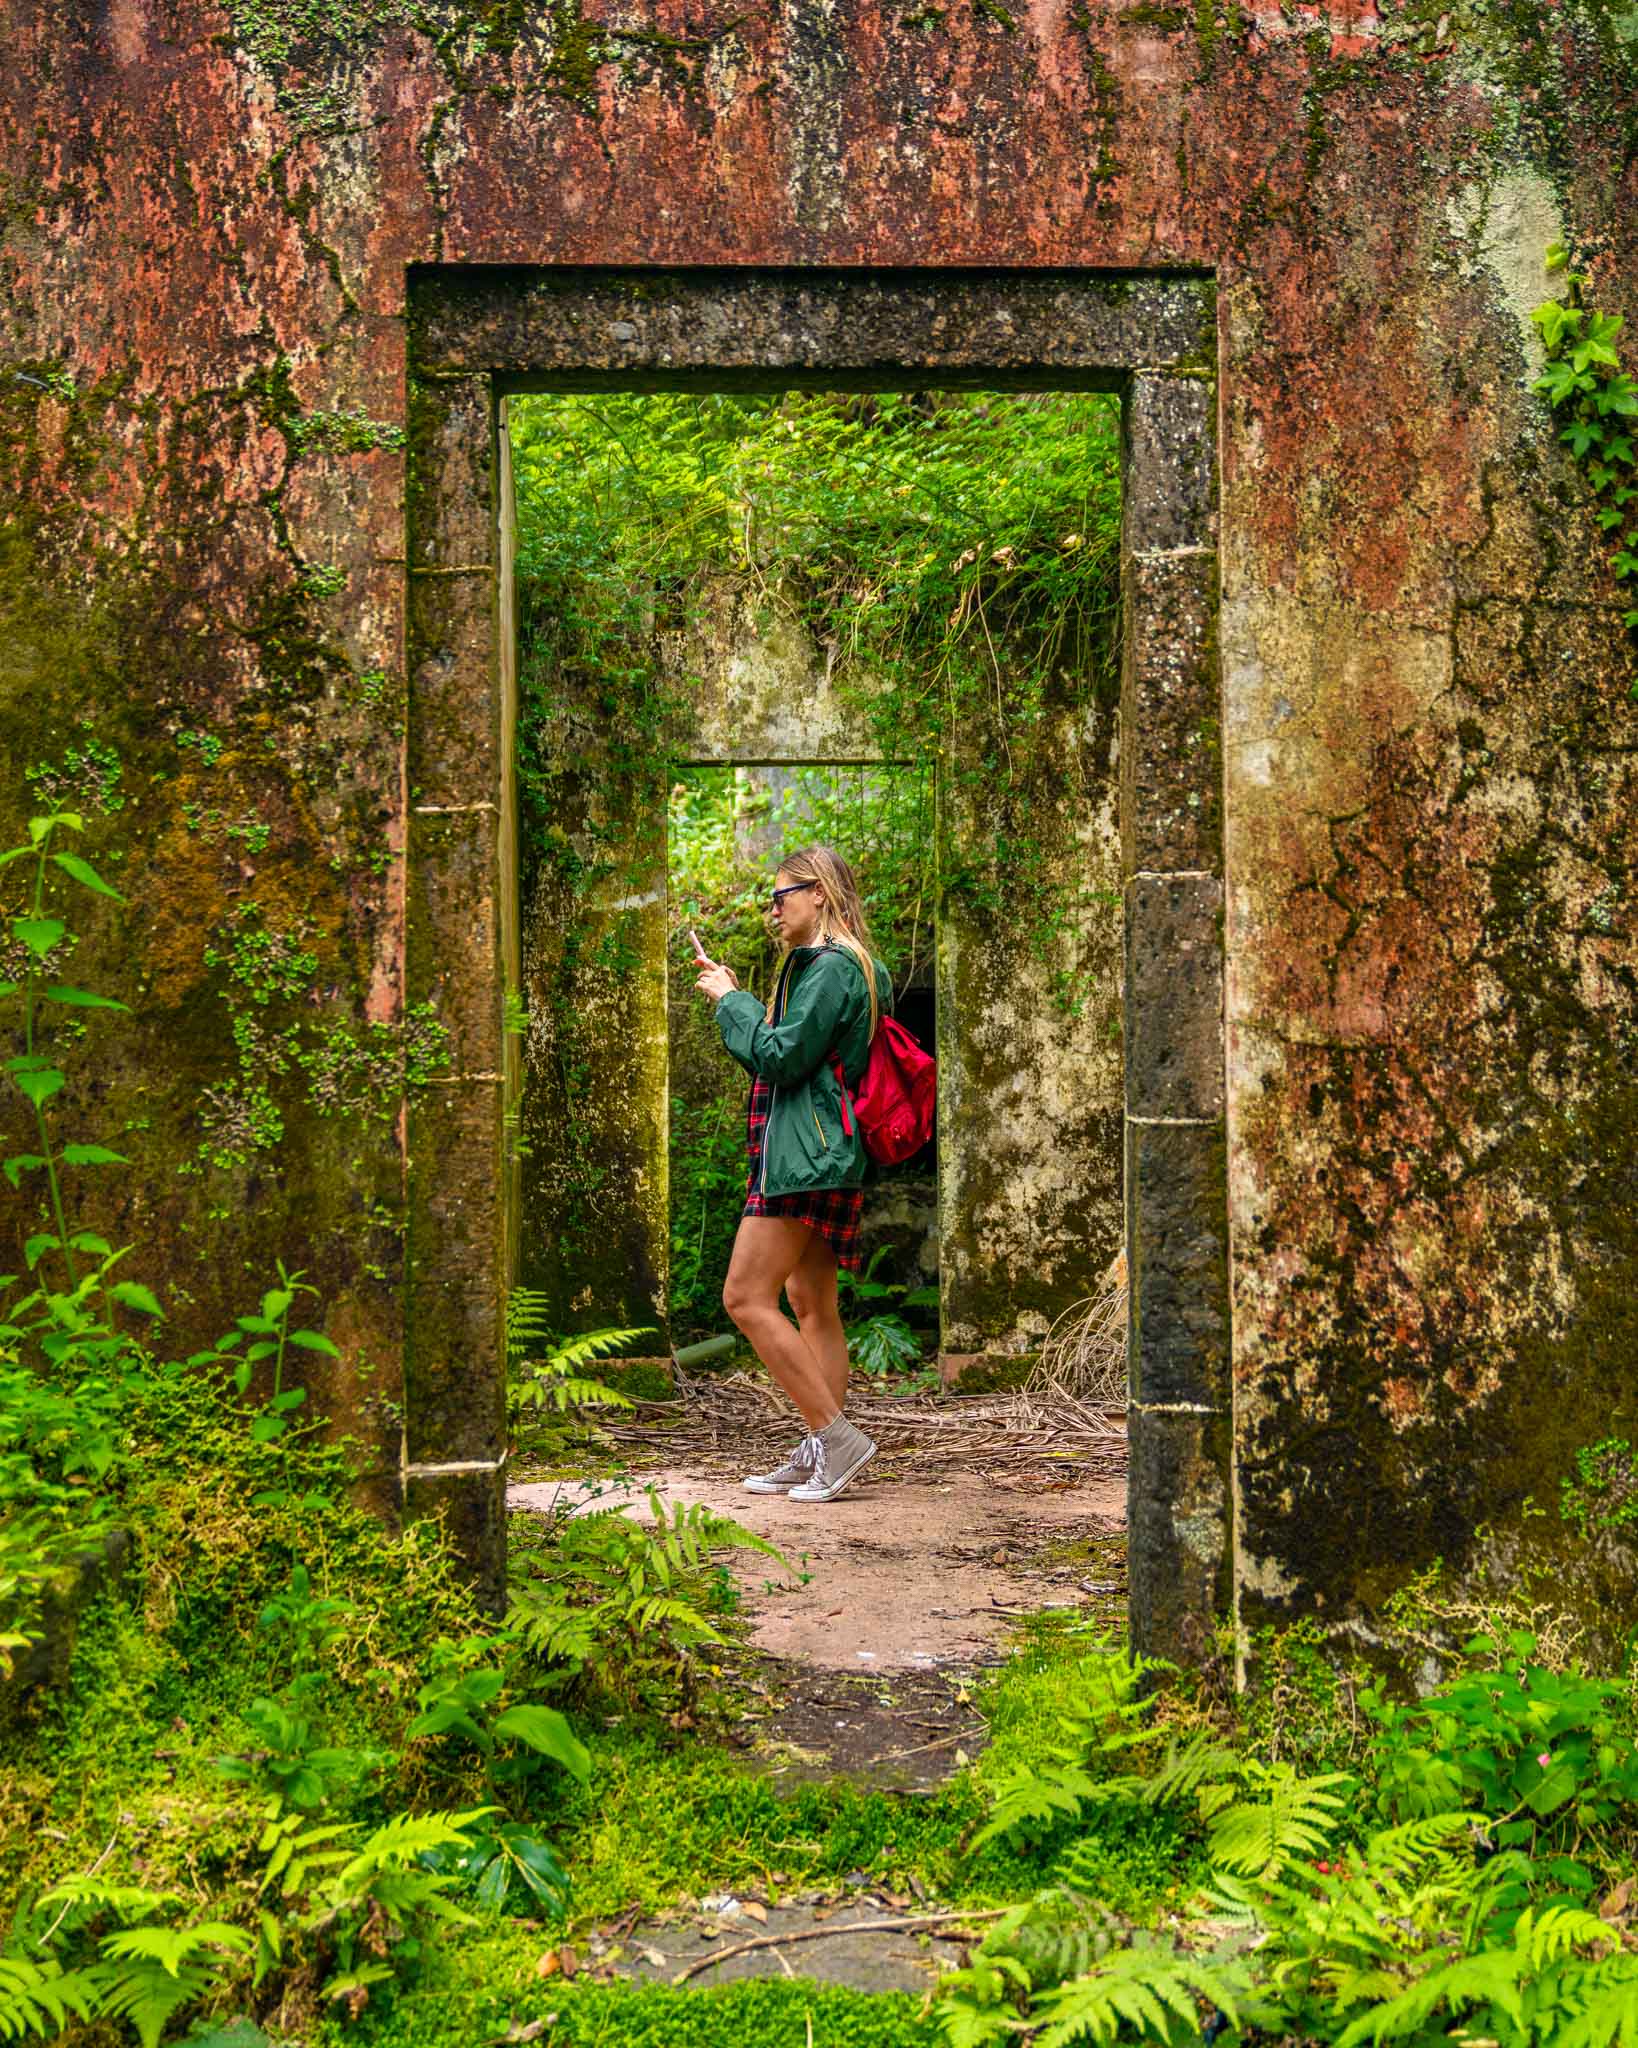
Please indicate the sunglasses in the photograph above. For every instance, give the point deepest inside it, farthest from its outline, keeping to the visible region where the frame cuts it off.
(790, 889)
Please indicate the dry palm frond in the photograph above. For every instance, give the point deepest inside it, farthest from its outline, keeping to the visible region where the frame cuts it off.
(1084, 1357)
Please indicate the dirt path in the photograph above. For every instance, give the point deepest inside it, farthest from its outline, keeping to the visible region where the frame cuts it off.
(902, 1574)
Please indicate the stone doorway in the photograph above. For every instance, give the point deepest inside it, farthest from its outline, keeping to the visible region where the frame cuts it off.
(479, 335)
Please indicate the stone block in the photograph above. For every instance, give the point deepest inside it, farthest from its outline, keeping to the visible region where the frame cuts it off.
(453, 496)
(472, 1508)
(454, 1375)
(1174, 996)
(455, 690)
(454, 952)
(455, 1147)
(455, 1385)
(1178, 1532)
(1170, 434)
(1171, 730)
(1177, 1262)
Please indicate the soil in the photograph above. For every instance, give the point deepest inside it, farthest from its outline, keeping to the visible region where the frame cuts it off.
(900, 1575)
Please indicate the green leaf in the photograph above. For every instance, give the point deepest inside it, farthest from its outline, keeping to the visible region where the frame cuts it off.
(39, 1084)
(84, 873)
(266, 1427)
(492, 1885)
(35, 1247)
(131, 1294)
(311, 1340)
(82, 998)
(89, 1241)
(547, 1731)
(20, 1163)
(92, 1155)
(39, 934)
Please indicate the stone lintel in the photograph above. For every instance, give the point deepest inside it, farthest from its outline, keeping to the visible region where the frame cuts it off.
(610, 327)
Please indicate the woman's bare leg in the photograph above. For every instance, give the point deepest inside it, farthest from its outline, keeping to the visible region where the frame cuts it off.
(766, 1253)
(811, 1291)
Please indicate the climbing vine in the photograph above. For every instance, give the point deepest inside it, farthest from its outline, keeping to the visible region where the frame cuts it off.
(1597, 403)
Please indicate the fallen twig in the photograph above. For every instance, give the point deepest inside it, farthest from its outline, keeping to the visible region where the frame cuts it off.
(897, 1925)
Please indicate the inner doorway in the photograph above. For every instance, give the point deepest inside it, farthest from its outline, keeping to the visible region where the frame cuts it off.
(729, 827)
(818, 599)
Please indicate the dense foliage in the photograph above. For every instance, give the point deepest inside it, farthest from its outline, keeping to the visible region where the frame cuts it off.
(953, 555)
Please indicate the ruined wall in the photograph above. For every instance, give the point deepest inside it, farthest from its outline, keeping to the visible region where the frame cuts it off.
(1428, 793)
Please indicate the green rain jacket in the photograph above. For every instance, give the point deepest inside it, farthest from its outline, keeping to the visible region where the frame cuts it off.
(821, 1013)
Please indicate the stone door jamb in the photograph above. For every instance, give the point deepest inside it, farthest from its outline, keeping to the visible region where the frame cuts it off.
(477, 333)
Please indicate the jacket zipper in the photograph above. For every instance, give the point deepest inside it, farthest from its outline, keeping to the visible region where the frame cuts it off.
(824, 1142)
(773, 1097)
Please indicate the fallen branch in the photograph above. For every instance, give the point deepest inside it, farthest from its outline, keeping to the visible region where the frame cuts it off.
(899, 1925)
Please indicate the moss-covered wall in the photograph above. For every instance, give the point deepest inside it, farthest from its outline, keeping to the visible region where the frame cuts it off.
(209, 212)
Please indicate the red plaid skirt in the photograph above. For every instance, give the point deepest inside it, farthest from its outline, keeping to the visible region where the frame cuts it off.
(833, 1212)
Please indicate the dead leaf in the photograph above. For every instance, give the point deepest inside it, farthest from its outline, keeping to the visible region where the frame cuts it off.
(568, 1962)
(549, 1964)
(1614, 1904)
(753, 1909)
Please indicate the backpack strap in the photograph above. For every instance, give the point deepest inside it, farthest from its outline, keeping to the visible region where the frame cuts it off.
(847, 1107)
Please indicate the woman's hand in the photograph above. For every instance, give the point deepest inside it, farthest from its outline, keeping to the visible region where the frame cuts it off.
(715, 982)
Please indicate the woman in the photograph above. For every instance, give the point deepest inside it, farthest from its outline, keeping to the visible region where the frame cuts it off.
(805, 1189)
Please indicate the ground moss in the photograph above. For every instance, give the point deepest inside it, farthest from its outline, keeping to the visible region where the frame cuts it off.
(476, 1993)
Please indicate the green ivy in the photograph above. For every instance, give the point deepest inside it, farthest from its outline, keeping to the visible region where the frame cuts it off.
(1596, 401)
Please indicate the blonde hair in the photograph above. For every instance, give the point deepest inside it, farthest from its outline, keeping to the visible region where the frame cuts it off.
(841, 914)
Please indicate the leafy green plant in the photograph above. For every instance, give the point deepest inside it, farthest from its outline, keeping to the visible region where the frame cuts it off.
(548, 1373)
(883, 1345)
(1597, 401)
(265, 1339)
(615, 1600)
(1542, 1754)
(65, 1363)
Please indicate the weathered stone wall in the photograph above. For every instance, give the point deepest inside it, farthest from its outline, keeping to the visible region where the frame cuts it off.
(1428, 794)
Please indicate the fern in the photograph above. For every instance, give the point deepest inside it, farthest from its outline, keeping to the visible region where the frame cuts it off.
(1488, 1980)
(1298, 1817)
(153, 1972)
(555, 1377)
(1148, 1992)
(1600, 2003)
(1558, 1932)
(617, 1595)
(37, 1998)
(1033, 1800)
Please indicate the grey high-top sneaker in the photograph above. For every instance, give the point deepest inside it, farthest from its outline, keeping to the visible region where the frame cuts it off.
(797, 1467)
(841, 1452)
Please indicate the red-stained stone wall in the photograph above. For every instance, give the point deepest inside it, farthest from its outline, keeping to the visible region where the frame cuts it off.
(1429, 791)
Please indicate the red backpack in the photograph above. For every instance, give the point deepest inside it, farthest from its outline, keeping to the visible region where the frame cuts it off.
(896, 1098)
